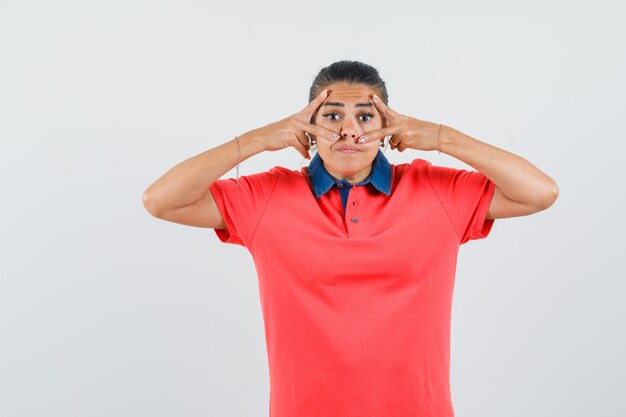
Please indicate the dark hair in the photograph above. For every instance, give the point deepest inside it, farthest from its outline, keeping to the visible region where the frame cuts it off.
(351, 72)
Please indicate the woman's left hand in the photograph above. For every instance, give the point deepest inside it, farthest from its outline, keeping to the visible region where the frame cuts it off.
(406, 132)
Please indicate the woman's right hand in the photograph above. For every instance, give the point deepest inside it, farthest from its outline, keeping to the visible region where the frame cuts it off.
(291, 130)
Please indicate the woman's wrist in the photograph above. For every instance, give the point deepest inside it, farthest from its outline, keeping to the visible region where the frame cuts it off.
(447, 136)
(251, 143)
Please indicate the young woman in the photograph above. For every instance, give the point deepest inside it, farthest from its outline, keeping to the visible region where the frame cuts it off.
(355, 256)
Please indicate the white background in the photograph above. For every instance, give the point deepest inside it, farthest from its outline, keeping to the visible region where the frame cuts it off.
(108, 311)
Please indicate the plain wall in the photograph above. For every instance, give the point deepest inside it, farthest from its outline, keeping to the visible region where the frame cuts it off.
(108, 311)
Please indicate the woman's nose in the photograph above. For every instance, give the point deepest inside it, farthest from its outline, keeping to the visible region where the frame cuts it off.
(350, 130)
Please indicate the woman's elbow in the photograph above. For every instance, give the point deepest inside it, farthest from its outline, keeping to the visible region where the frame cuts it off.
(150, 204)
(551, 195)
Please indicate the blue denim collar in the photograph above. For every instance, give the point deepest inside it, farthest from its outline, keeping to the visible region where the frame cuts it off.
(321, 181)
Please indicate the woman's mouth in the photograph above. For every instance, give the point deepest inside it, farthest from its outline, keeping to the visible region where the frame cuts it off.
(348, 149)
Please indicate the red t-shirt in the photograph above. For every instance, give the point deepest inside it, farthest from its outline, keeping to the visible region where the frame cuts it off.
(356, 307)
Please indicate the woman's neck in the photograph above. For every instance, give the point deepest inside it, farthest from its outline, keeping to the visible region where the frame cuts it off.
(352, 179)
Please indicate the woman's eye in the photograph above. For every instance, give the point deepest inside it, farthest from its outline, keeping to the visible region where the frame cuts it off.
(368, 116)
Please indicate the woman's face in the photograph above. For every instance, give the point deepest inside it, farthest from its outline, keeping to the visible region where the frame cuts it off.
(349, 111)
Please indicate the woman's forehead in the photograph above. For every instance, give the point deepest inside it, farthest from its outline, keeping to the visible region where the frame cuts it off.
(350, 93)
(350, 89)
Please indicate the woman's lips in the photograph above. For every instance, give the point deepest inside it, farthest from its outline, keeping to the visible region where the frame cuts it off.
(348, 149)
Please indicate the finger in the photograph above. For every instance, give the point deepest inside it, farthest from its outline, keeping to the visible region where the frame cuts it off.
(380, 104)
(303, 140)
(301, 147)
(379, 134)
(319, 131)
(312, 107)
(384, 110)
(393, 143)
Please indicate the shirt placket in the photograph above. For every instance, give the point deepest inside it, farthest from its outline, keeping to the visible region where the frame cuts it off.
(353, 213)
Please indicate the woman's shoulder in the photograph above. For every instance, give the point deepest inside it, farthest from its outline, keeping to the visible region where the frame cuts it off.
(275, 171)
(416, 164)
(419, 169)
(276, 174)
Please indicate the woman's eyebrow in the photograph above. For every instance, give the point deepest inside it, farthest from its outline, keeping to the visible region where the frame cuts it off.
(339, 104)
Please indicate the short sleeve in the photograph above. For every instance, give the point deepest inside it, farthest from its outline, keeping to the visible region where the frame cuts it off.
(242, 205)
(466, 197)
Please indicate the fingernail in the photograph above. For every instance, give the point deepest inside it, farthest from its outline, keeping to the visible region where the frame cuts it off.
(335, 136)
(376, 97)
(362, 139)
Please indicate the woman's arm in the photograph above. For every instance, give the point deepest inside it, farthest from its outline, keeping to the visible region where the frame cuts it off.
(182, 194)
(521, 188)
